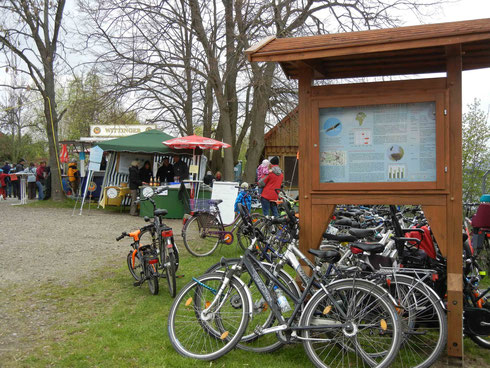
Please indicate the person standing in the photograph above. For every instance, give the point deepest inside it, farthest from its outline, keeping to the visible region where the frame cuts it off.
(40, 179)
(3, 185)
(146, 172)
(134, 183)
(270, 183)
(16, 181)
(166, 172)
(208, 179)
(181, 171)
(31, 181)
(74, 177)
(8, 184)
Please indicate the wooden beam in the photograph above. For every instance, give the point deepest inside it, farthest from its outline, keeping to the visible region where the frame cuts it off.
(254, 48)
(304, 179)
(454, 205)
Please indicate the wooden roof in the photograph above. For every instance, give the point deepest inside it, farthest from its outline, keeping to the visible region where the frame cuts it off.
(395, 51)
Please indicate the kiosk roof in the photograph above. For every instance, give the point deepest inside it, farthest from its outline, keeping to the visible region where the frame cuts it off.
(393, 51)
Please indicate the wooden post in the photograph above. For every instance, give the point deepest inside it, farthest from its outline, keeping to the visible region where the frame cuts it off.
(304, 179)
(454, 205)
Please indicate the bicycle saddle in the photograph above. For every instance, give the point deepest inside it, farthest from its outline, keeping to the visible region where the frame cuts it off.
(369, 247)
(329, 256)
(215, 202)
(161, 212)
(340, 238)
(362, 233)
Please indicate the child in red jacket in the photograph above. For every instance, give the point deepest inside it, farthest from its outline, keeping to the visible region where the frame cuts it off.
(3, 185)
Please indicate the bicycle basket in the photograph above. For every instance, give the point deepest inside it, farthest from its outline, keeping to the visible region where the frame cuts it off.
(201, 205)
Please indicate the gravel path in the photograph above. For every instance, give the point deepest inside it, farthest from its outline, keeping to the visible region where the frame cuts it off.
(40, 246)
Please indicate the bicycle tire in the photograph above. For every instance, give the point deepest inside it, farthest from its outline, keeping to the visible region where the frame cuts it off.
(170, 272)
(423, 321)
(359, 307)
(153, 284)
(187, 329)
(242, 238)
(196, 234)
(136, 270)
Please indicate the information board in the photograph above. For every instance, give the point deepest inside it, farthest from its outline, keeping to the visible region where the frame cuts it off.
(226, 191)
(378, 143)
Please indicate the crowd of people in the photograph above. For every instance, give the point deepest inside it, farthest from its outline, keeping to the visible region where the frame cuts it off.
(36, 179)
(167, 173)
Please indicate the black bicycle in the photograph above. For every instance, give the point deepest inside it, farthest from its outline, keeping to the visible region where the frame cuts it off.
(158, 239)
(349, 322)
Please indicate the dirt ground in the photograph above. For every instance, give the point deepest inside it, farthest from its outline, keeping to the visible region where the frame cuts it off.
(40, 246)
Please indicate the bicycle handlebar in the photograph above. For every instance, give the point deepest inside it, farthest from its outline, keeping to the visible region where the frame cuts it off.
(121, 236)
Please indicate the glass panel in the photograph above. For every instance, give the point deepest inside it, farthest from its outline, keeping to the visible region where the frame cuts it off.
(378, 143)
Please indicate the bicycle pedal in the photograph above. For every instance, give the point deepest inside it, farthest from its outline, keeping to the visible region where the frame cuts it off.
(162, 276)
(138, 283)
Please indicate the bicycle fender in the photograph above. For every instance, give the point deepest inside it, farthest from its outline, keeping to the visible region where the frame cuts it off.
(132, 257)
(247, 291)
(408, 281)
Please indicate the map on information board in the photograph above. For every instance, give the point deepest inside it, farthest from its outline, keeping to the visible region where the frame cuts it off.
(378, 143)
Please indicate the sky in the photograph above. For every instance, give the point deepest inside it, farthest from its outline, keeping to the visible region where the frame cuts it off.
(476, 83)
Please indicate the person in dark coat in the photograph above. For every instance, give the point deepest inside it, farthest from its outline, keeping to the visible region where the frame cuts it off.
(181, 171)
(208, 179)
(166, 172)
(16, 184)
(146, 173)
(134, 183)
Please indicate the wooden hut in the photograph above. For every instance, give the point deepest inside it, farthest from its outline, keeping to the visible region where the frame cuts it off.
(282, 141)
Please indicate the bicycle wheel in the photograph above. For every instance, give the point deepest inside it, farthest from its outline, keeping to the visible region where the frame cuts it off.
(201, 234)
(480, 340)
(242, 237)
(137, 269)
(153, 279)
(423, 322)
(208, 336)
(354, 325)
(170, 272)
(262, 316)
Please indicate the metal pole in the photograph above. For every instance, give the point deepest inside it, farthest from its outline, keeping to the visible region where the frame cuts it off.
(484, 183)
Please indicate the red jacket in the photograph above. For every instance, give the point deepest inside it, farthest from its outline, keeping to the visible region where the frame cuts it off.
(272, 182)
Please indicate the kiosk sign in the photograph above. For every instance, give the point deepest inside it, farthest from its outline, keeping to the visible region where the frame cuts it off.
(378, 143)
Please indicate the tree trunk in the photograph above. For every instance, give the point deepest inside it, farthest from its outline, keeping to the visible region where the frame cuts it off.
(262, 93)
(52, 133)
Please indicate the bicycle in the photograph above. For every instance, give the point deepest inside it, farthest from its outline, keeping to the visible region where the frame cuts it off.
(344, 317)
(204, 230)
(141, 262)
(159, 238)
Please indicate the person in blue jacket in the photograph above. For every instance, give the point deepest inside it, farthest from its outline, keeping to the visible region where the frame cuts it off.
(243, 197)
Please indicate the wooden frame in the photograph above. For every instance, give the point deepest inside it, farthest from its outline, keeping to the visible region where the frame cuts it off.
(447, 48)
(331, 101)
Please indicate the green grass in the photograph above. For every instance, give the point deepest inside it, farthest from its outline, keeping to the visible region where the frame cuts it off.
(110, 323)
(107, 322)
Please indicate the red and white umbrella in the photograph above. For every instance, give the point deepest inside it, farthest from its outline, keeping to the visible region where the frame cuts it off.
(63, 153)
(195, 141)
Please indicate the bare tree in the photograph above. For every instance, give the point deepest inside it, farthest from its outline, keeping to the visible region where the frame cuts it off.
(30, 30)
(185, 59)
